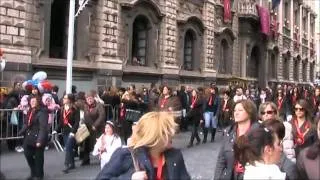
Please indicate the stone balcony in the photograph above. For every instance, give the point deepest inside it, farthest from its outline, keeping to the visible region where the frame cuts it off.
(248, 9)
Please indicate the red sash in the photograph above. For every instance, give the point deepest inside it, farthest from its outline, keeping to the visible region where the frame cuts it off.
(30, 117)
(225, 105)
(194, 98)
(300, 135)
(314, 101)
(210, 101)
(163, 102)
(159, 175)
(66, 116)
(280, 103)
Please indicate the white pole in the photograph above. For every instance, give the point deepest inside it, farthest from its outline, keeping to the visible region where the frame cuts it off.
(70, 46)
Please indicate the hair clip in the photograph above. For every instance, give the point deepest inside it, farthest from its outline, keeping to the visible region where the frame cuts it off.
(266, 130)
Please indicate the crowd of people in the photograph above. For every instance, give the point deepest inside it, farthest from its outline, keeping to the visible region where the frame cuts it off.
(267, 133)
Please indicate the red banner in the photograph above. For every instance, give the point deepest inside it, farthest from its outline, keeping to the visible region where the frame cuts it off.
(227, 11)
(264, 20)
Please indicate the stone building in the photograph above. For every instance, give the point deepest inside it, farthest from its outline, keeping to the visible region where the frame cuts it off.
(118, 42)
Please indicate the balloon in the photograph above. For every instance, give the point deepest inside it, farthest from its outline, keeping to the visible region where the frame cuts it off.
(40, 76)
(27, 85)
(44, 86)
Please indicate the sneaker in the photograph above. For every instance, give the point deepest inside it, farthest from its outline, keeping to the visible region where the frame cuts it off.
(19, 149)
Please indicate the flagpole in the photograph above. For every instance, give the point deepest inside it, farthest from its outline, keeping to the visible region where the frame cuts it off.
(70, 46)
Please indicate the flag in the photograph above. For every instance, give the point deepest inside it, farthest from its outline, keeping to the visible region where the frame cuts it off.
(264, 20)
(275, 3)
(227, 11)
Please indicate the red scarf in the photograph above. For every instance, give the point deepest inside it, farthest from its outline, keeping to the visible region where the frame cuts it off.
(91, 107)
(299, 140)
(66, 116)
(194, 98)
(30, 117)
(225, 105)
(163, 102)
(159, 174)
(294, 99)
(210, 101)
(280, 103)
(314, 101)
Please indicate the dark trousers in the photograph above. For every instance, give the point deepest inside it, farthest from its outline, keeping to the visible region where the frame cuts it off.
(35, 160)
(69, 147)
(194, 133)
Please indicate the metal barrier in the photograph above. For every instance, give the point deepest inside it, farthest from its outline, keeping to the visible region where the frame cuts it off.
(11, 122)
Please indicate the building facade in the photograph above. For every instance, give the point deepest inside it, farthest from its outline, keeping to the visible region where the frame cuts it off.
(118, 42)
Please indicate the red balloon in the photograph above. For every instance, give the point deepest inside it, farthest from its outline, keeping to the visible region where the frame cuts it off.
(46, 85)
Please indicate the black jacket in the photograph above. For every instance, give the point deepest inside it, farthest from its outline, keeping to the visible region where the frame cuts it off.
(37, 131)
(121, 165)
(73, 119)
(225, 162)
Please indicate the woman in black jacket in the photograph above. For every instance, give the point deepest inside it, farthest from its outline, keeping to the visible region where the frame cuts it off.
(69, 124)
(195, 116)
(150, 155)
(35, 131)
(245, 117)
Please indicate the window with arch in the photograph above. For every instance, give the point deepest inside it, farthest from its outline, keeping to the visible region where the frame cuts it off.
(253, 63)
(312, 71)
(285, 68)
(296, 69)
(304, 70)
(224, 50)
(140, 40)
(189, 45)
(273, 65)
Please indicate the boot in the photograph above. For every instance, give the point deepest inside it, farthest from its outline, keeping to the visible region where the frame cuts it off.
(205, 135)
(213, 134)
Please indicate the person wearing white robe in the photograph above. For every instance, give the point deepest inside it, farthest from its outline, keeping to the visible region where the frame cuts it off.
(106, 144)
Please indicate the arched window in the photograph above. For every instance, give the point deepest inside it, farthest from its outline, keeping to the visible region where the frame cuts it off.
(224, 50)
(312, 72)
(140, 41)
(253, 64)
(296, 69)
(285, 67)
(188, 58)
(304, 70)
(273, 66)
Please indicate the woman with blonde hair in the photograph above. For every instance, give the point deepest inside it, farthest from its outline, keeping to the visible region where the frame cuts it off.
(150, 154)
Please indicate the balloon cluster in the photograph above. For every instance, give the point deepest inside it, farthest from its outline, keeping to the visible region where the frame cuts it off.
(39, 81)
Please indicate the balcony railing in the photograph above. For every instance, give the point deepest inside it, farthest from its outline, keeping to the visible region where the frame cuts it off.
(247, 8)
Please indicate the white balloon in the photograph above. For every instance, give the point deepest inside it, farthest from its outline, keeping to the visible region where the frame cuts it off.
(40, 76)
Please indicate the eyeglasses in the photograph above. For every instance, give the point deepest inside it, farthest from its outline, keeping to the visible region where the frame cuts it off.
(299, 109)
(267, 112)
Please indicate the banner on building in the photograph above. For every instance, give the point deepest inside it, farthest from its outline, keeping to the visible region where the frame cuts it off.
(227, 11)
(264, 20)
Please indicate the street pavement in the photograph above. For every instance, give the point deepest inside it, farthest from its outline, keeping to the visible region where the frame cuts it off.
(200, 162)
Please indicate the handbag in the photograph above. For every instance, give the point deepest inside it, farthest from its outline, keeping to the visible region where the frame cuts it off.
(14, 118)
(82, 133)
(132, 115)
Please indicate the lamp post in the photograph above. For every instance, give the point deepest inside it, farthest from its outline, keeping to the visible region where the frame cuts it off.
(70, 46)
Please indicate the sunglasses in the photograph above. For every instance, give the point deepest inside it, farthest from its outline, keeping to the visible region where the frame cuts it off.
(299, 109)
(267, 112)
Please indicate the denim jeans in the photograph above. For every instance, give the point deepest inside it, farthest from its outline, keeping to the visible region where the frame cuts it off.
(69, 147)
(209, 120)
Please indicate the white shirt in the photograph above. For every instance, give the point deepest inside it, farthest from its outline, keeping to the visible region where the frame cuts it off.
(111, 143)
(263, 171)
